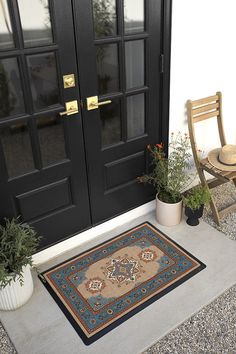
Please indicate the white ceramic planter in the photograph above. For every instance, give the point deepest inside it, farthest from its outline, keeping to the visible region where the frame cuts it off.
(15, 295)
(168, 214)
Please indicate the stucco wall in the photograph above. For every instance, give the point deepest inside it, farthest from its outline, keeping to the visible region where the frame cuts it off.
(203, 62)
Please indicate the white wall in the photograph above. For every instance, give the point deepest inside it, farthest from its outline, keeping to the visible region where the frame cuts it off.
(203, 62)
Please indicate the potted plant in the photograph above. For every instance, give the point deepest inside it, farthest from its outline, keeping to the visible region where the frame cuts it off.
(169, 177)
(194, 201)
(18, 242)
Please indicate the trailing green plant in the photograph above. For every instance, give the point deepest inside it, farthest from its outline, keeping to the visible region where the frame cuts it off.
(18, 242)
(170, 175)
(196, 197)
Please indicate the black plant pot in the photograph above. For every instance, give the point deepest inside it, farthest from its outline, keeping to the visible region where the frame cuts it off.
(193, 215)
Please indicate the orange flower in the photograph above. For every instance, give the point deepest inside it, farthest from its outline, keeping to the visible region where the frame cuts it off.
(160, 146)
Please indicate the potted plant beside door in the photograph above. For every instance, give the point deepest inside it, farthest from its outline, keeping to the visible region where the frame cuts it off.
(169, 177)
(18, 242)
(194, 201)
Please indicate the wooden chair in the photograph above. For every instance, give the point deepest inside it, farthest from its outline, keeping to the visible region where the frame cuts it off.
(199, 111)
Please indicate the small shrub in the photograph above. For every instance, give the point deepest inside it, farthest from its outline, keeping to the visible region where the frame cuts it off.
(18, 242)
(170, 175)
(196, 196)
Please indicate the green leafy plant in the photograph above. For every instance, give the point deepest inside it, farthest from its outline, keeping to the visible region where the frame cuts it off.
(170, 175)
(18, 242)
(196, 197)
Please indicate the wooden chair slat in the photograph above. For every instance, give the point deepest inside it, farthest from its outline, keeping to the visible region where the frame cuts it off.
(227, 210)
(200, 110)
(232, 176)
(215, 182)
(202, 117)
(215, 173)
(205, 109)
(205, 100)
(209, 166)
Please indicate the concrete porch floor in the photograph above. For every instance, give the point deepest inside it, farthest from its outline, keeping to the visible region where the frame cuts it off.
(40, 327)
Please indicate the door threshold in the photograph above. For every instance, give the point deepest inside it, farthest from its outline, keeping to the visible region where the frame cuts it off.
(90, 234)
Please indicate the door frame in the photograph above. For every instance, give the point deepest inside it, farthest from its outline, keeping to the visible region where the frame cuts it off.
(166, 48)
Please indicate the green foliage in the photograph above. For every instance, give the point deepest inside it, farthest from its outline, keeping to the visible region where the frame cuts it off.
(196, 197)
(170, 175)
(18, 242)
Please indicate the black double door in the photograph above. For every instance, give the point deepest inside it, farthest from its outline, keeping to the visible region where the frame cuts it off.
(82, 92)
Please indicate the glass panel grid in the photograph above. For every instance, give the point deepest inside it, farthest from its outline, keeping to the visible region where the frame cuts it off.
(44, 80)
(17, 149)
(36, 22)
(134, 63)
(135, 115)
(6, 36)
(107, 68)
(11, 94)
(134, 16)
(105, 18)
(111, 123)
(51, 139)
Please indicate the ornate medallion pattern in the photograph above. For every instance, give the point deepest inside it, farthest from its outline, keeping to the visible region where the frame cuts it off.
(123, 270)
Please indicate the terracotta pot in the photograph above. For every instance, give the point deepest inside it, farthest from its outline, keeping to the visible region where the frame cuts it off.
(15, 295)
(168, 214)
(193, 215)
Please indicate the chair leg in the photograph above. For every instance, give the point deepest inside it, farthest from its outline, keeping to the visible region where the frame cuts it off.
(234, 180)
(216, 216)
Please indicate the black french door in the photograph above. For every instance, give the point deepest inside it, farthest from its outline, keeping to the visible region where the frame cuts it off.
(82, 92)
(43, 172)
(119, 57)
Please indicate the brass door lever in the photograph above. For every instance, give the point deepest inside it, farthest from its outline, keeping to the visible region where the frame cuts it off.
(71, 108)
(92, 103)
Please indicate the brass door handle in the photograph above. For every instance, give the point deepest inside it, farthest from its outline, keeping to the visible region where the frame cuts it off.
(103, 103)
(92, 103)
(71, 108)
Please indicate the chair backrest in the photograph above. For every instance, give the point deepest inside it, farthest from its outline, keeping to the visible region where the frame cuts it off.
(200, 110)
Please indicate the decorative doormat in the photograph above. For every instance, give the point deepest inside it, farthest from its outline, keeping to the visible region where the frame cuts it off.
(101, 288)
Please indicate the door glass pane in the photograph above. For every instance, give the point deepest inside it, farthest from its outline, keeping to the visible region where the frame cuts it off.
(135, 116)
(6, 38)
(134, 16)
(51, 139)
(111, 123)
(107, 68)
(36, 22)
(134, 62)
(17, 149)
(104, 17)
(11, 95)
(44, 82)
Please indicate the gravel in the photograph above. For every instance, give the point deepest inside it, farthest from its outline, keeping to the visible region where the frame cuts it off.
(6, 347)
(211, 331)
(224, 195)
